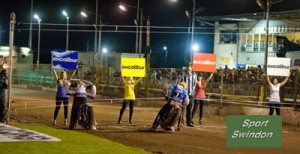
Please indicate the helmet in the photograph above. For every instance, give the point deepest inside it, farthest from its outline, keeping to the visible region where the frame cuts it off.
(183, 84)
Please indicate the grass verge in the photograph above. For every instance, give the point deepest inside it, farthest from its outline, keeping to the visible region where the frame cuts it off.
(71, 142)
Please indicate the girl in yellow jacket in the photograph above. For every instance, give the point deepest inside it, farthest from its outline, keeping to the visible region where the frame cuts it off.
(129, 96)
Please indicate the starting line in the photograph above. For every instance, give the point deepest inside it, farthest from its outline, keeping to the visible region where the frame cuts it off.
(14, 134)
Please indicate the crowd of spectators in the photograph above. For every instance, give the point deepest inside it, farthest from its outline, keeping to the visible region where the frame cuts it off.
(251, 75)
(241, 75)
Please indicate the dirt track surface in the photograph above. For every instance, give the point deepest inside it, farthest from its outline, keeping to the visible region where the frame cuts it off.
(31, 106)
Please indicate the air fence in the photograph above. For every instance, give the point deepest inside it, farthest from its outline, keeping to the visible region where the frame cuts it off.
(111, 83)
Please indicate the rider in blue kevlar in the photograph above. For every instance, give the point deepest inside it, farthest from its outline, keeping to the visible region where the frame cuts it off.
(178, 98)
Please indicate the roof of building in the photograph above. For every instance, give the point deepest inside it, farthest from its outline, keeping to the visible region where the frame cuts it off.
(292, 15)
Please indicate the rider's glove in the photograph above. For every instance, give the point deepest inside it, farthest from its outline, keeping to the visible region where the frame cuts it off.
(91, 97)
(166, 98)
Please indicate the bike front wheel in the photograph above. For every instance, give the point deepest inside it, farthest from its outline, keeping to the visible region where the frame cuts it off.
(89, 121)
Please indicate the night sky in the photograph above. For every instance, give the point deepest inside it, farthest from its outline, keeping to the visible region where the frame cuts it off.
(163, 13)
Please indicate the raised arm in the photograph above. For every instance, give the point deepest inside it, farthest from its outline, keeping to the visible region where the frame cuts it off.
(138, 80)
(88, 83)
(268, 79)
(73, 73)
(284, 81)
(54, 72)
(166, 89)
(123, 78)
(210, 76)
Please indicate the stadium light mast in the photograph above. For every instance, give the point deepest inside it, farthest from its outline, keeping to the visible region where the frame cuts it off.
(266, 6)
(139, 13)
(39, 39)
(67, 33)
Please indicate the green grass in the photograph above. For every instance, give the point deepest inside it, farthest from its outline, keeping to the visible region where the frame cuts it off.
(71, 142)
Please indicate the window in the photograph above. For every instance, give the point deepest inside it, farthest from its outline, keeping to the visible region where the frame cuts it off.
(227, 36)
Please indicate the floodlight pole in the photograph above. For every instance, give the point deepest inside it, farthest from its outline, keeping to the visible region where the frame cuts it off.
(30, 26)
(11, 48)
(99, 55)
(39, 40)
(266, 47)
(96, 21)
(193, 29)
(141, 30)
(67, 37)
(137, 28)
(267, 35)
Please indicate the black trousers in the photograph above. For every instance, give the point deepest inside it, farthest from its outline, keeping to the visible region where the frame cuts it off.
(276, 106)
(124, 105)
(60, 100)
(188, 109)
(2, 107)
(196, 104)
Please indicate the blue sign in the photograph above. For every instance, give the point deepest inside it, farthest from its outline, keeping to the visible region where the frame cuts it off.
(240, 65)
(65, 59)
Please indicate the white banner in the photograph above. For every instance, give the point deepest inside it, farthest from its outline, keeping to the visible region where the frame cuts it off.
(278, 66)
(14, 134)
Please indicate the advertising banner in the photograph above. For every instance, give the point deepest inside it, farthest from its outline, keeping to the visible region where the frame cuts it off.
(134, 67)
(278, 66)
(254, 131)
(225, 60)
(240, 66)
(204, 62)
(65, 59)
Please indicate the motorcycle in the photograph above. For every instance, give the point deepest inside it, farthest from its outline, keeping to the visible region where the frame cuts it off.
(168, 116)
(85, 115)
(82, 112)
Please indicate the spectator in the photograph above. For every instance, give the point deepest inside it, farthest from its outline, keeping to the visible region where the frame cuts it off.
(117, 74)
(159, 75)
(226, 69)
(153, 75)
(109, 71)
(173, 74)
(217, 76)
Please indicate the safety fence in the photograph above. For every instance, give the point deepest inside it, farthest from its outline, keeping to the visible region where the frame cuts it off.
(111, 83)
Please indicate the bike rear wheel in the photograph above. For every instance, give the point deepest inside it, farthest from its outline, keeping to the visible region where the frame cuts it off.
(89, 121)
(170, 118)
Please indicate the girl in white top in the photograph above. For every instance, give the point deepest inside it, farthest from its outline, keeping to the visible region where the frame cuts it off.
(274, 100)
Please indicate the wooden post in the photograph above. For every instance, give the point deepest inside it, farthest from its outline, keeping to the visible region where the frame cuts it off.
(296, 89)
(222, 84)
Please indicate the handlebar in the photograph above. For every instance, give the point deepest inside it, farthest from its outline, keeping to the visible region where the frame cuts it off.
(74, 94)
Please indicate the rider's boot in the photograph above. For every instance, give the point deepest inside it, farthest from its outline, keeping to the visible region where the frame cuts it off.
(155, 123)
